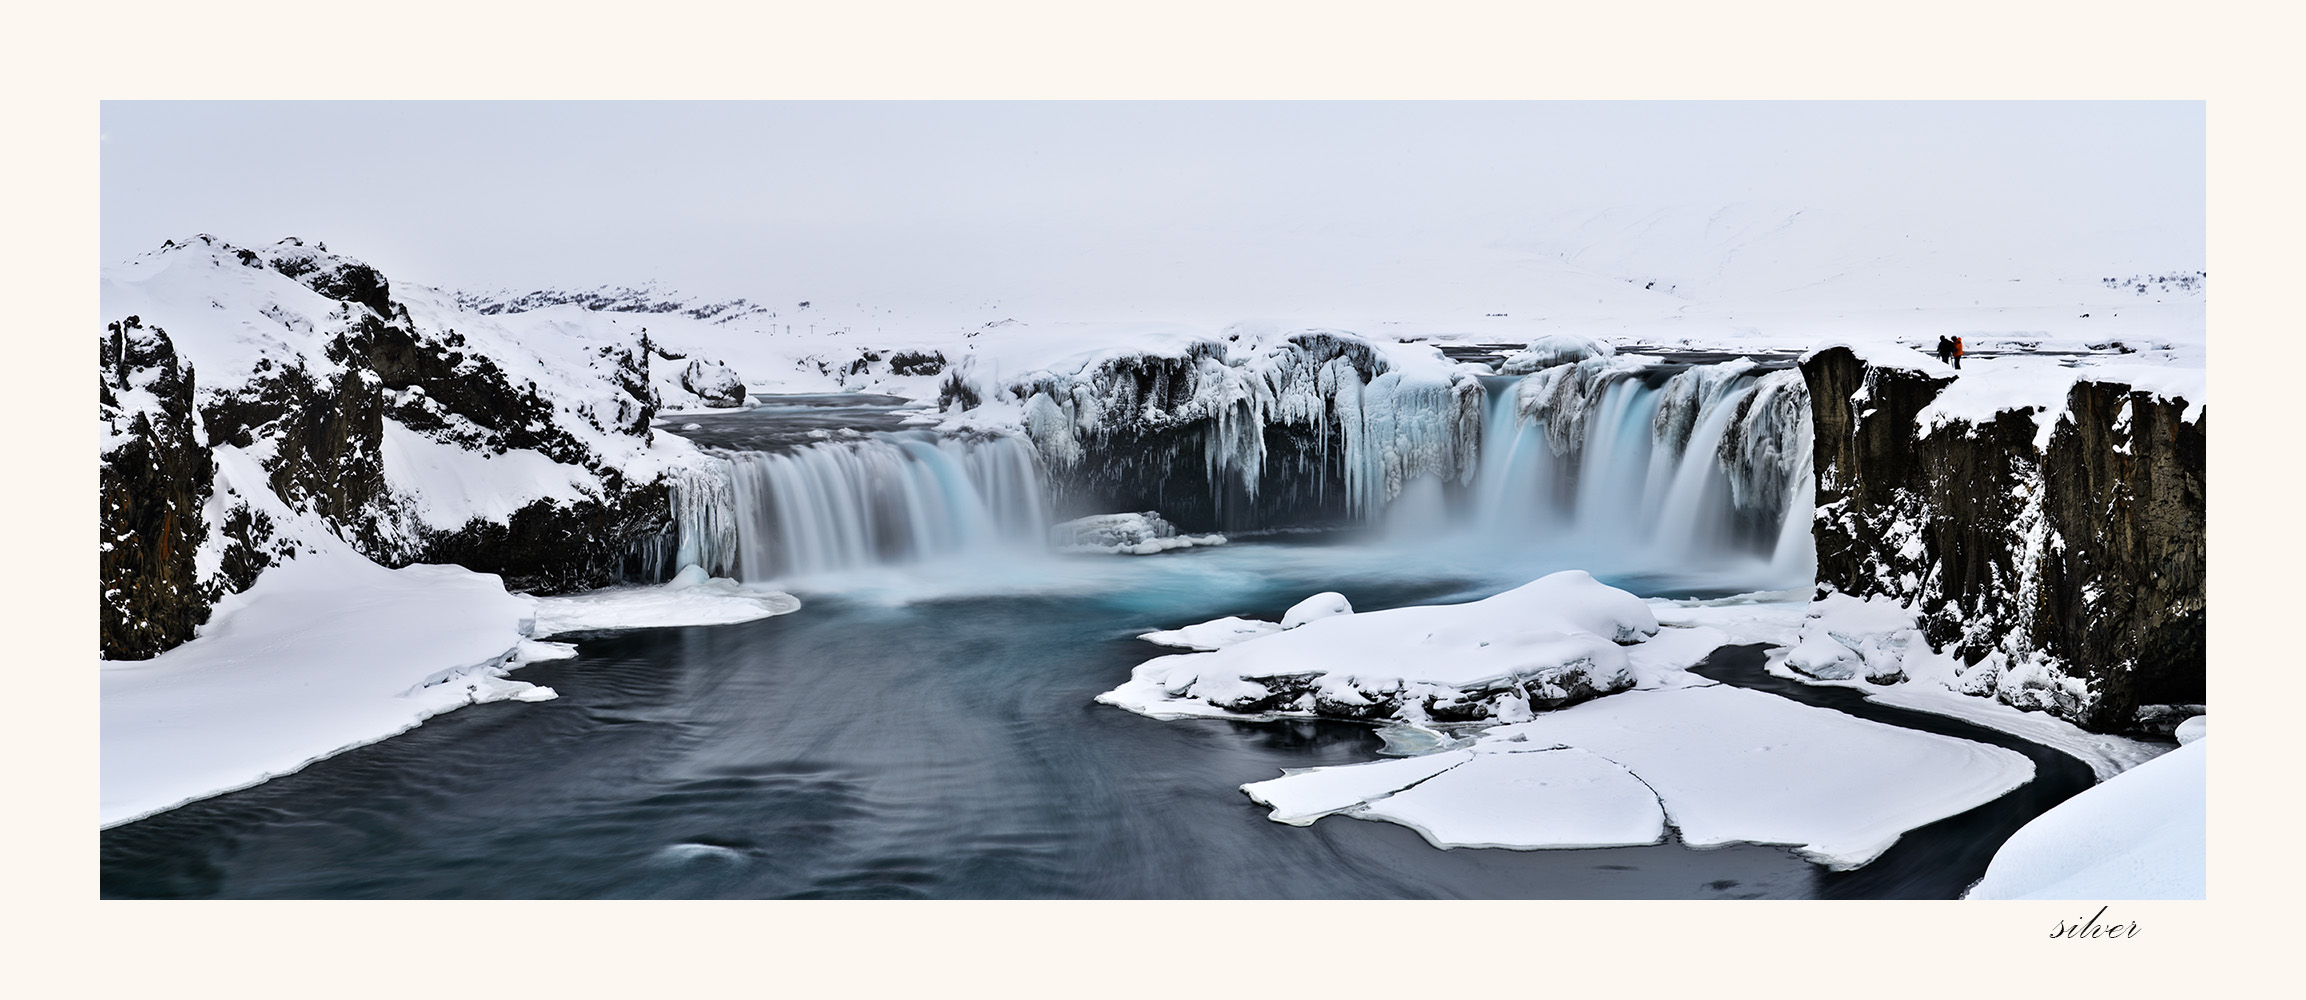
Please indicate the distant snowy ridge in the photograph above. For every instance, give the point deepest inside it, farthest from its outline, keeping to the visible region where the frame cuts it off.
(647, 298)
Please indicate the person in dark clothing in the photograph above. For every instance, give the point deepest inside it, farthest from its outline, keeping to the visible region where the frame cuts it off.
(1945, 350)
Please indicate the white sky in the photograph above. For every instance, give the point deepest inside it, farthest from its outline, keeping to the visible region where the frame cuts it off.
(1267, 206)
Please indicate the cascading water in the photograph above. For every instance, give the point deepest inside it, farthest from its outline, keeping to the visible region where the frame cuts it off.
(1677, 462)
(884, 498)
(1614, 460)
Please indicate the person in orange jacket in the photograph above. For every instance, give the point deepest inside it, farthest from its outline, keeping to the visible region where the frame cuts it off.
(1957, 352)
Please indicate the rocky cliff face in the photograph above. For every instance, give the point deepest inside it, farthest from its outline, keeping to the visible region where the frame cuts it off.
(155, 477)
(312, 411)
(1318, 429)
(2068, 574)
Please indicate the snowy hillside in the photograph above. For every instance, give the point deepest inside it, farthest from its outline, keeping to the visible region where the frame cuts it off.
(301, 404)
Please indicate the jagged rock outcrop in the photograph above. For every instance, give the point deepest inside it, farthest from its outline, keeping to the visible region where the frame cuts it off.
(155, 477)
(1317, 429)
(317, 391)
(717, 385)
(2069, 575)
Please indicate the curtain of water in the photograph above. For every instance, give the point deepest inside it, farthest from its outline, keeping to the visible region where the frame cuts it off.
(1667, 461)
(887, 498)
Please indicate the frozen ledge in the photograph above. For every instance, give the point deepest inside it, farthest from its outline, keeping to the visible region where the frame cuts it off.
(1719, 764)
(331, 652)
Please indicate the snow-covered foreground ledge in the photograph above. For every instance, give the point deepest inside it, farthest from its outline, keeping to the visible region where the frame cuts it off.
(331, 652)
(2142, 835)
(1717, 763)
(1720, 764)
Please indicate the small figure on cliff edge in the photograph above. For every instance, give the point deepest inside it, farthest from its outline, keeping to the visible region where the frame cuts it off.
(1945, 350)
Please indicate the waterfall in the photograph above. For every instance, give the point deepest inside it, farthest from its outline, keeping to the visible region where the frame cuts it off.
(1680, 462)
(1621, 460)
(885, 498)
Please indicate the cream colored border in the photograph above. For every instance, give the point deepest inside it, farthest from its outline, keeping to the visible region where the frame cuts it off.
(65, 942)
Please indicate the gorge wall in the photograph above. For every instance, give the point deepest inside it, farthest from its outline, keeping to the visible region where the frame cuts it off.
(2065, 569)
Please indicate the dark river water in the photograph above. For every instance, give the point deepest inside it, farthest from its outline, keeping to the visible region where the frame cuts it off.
(932, 747)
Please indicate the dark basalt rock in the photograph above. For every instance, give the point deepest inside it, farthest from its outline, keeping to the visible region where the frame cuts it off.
(550, 548)
(152, 485)
(2087, 553)
(326, 458)
(916, 363)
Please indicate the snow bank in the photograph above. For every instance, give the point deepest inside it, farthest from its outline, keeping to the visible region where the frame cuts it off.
(319, 656)
(1212, 635)
(2141, 835)
(1720, 764)
(330, 651)
(1548, 642)
(1230, 630)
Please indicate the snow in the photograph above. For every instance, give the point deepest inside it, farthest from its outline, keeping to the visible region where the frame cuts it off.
(1300, 797)
(1328, 604)
(1538, 640)
(1138, 534)
(2141, 835)
(1875, 647)
(2193, 729)
(1551, 350)
(318, 656)
(330, 651)
(1211, 635)
(1528, 800)
(448, 485)
(1736, 765)
(1724, 764)
(691, 598)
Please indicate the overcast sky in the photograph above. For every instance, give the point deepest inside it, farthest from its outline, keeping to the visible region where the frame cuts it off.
(898, 200)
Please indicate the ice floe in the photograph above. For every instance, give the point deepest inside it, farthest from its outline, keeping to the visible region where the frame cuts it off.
(1723, 764)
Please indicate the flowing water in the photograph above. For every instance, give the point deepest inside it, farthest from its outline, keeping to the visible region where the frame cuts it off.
(924, 725)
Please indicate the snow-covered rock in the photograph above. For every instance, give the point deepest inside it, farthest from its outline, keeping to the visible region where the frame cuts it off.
(1552, 642)
(2193, 729)
(1327, 604)
(376, 416)
(1139, 534)
(1214, 634)
(1551, 350)
(715, 385)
